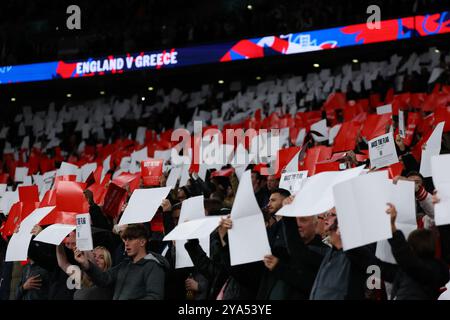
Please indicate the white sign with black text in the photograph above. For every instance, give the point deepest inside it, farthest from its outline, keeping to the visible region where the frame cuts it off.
(382, 151)
(84, 234)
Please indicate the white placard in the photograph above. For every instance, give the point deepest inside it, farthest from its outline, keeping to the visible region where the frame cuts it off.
(293, 181)
(401, 123)
(21, 173)
(361, 209)
(403, 198)
(316, 195)
(143, 205)
(84, 233)
(384, 109)
(440, 165)
(248, 239)
(432, 148)
(20, 241)
(320, 127)
(382, 151)
(55, 233)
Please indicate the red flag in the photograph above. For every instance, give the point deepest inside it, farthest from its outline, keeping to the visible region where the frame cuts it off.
(29, 194)
(114, 199)
(4, 178)
(18, 212)
(395, 170)
(417, 100)
(326, 166)
(345, 140)
(223, 173)
(14, 218)
(376, 125)
(284, 156)
(157, 223)
(315, 155)
(128, 179)
(57, 216)
(99, 192)
(49, 199)
(414, 120)
(443, 114)
(70, 197)
(151, 172)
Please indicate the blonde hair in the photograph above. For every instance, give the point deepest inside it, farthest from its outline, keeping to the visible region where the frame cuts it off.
(86, 282)
(106, 256)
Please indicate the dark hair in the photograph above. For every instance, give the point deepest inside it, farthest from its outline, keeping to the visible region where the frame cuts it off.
(186, 190)
(259, 176)
(285, 193)
(414, 173)
(217, 195)
(176, 206)
(135, 231)
(212, 206)
(422, 242)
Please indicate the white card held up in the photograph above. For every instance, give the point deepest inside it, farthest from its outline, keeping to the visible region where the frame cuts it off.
(432, 148)
(140, 135)
(293, 181)
(361, 209)
(384, 109)
(106, 167)
(194, 229)
(333, 133)
(84, 233)
(401, 123)
(55, 233)
(382, 151)
(21, 173)
(2, 188)
(248, 238)
(245, 203)
(440, 165)
(320, 127)
(87, 169)
(67, 169)
(143, 205)
(174, 175)
(20, 241)
(182, 258)
(316, 195)
(191, 209)
(292, 166)
(403, 198)
(7, 200)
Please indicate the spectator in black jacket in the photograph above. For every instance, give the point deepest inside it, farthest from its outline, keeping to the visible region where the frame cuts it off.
(418, 274)
(306, 251)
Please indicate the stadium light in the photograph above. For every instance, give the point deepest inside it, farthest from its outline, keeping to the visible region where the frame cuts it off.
(258, 78)
(316, 65)
(355, 60)
(221, 82)
(13, 99)
(68, 95)
(249, 7)
(150, 88)
(102, 93)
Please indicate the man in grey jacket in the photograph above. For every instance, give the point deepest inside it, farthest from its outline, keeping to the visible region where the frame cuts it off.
(141, 277)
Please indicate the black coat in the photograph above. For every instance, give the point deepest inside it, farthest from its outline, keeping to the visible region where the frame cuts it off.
(294, 275)
(413, 278)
